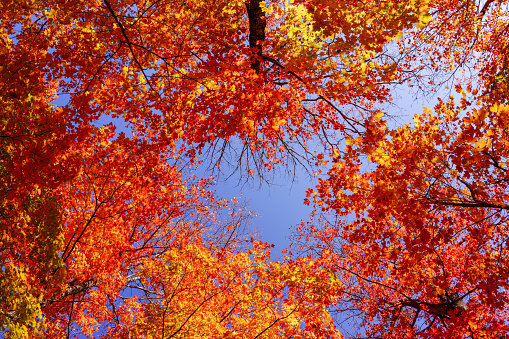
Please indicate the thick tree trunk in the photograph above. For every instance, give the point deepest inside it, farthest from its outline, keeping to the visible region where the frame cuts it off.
(256, 31)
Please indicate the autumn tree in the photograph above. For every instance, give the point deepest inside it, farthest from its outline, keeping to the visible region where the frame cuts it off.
(413, 218)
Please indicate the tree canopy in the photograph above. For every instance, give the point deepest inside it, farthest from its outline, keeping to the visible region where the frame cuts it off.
(105, 234)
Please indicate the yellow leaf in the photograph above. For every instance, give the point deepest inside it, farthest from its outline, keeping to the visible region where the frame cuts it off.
(480, 144)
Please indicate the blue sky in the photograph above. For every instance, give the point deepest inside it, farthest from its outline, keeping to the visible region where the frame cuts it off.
(279, 206)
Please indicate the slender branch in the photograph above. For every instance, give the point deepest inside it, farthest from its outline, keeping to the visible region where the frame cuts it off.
(128, 41)
(320, 97)
(485, 8)
(70, 317)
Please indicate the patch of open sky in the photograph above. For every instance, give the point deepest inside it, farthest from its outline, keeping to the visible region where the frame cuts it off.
(279, 206)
